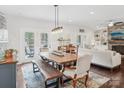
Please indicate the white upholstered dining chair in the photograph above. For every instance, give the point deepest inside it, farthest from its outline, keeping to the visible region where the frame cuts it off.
(81, 70)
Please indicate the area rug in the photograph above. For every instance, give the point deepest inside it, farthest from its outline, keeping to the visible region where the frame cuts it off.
(36, 81)
(94, 81)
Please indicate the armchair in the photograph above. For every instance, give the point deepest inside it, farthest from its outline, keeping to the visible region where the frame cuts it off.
(81, 70)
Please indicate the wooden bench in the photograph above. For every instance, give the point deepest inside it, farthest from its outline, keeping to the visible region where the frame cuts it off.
(48, 72)
(48, 61)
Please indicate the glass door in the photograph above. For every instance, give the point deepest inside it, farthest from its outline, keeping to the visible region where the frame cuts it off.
(27, 46)
(31, 43)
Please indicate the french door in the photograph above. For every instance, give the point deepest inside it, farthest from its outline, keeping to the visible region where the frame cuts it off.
(31, 43)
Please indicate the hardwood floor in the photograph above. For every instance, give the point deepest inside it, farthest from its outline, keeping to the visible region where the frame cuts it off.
(20, 78)
(117, 76)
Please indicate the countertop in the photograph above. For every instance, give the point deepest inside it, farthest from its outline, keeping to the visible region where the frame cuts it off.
(8, 62)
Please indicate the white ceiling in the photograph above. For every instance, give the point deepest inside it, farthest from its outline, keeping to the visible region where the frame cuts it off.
(72, 14)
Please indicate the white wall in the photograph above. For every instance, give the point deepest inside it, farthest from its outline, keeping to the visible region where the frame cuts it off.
(16, 25)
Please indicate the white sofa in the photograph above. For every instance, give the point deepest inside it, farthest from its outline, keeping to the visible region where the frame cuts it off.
(104, 58)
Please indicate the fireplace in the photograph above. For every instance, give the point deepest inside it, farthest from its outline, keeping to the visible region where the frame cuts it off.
(118, 48)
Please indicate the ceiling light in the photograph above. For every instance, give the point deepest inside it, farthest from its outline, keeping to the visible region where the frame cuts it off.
(91, 12)
(57, 28)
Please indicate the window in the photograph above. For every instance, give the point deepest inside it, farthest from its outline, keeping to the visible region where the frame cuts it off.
(3, 32)
(29, 44)
(44, 40)
(3, 35)
(3, 39)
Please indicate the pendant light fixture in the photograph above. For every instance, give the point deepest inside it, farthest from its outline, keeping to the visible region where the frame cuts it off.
(57, 29)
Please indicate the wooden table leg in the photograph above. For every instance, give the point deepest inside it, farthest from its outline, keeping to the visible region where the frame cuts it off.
(58, 82)
(45, 84)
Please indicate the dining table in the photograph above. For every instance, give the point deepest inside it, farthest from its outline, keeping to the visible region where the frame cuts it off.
(59, 60)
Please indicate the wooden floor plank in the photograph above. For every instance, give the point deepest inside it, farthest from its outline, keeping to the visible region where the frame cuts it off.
(20, 82)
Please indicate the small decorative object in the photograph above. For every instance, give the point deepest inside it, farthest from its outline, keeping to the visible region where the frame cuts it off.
(10, 55)
(58, 53)
(105, 43)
